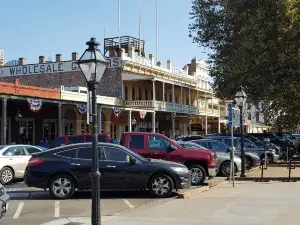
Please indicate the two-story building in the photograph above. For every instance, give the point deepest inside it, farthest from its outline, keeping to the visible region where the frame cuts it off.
(135, 93)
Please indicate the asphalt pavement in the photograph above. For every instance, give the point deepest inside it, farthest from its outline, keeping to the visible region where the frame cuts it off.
(30, 206)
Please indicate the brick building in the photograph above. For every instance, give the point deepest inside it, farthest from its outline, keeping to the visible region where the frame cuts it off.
(135, 93)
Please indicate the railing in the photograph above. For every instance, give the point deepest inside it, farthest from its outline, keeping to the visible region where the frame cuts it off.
(142, 60)
(147, 104)
(179, 71)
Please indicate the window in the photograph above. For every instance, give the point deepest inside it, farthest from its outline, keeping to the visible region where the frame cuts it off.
(140, 94)
(15, 151)
(204, 144)
(136, 142)
(101, 138)
(249, 116)
(116, 154)
(146, 95)
(76, 139)
(158, 143)
(70, 153)
(32, 150)
(219, 147)
(228, 142)
(257, 117)
(87, 153)
(60, 141)
(126, 92)
(133, 93)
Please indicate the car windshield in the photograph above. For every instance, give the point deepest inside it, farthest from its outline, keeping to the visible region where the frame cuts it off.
(289, 136)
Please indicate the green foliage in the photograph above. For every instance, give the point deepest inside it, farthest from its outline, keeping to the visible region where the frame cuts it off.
(255, 44)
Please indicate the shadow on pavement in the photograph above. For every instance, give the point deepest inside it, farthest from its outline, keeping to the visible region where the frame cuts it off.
(45, 195)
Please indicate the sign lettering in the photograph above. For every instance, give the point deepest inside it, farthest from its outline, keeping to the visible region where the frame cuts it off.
(53, 67)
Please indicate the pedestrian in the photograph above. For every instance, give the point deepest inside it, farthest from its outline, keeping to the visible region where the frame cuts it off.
(45, 143)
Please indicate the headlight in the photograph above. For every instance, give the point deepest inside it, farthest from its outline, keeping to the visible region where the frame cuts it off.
(180, 169)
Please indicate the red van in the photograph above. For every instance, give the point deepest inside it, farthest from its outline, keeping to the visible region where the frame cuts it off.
(81, 138)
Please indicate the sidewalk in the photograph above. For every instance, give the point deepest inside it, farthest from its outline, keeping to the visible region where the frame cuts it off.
(249, 203)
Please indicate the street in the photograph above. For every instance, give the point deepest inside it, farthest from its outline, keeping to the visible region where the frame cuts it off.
(30, 206)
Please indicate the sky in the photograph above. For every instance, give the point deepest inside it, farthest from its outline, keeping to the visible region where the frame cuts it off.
(44, 28)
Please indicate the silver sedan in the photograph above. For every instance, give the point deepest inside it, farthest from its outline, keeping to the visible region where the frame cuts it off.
(223, 159)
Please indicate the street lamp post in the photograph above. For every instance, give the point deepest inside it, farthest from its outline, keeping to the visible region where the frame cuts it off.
(93, 65)
(240, 99)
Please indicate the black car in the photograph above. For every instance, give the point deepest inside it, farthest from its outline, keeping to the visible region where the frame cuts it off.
(189, 138)
(67, 168)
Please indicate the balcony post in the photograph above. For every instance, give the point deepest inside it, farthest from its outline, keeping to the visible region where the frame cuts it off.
(205, 115)
(129, 121)
(59, 121)
(4, 121)
(153, 122)
(181, 98)
(173, 95)
(219, 120)
(99, 119)
(153, 89)
(163, 84)
(190, 99)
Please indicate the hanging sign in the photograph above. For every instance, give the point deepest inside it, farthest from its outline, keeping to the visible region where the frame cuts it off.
(116, 112)
(35, 105)
(173, 115)
(81, 108)
(143, 114)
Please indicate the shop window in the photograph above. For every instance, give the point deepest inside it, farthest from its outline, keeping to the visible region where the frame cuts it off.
(133, 93)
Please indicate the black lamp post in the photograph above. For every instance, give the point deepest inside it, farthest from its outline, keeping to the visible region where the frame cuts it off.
(240, 99)
(93, 65)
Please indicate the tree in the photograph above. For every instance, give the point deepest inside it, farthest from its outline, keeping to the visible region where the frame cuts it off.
(255, 44)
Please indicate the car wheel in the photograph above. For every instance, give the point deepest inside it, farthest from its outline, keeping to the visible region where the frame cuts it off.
(6, 175)
(62, 186)
(198, 174)
(225, 169)
(248, 163)
(161, 186)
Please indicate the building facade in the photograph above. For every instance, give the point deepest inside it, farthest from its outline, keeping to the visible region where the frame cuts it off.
(2, 60)
(135, 94)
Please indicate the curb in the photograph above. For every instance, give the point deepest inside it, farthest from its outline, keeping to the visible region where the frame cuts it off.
(267, 179)
(197, 190)
(283, 165)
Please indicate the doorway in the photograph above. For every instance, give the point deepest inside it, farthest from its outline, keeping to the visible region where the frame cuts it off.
(27, 131)
(50, 129)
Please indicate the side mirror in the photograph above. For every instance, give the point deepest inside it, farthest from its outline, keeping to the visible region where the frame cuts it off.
(171, 148)
(132, 161)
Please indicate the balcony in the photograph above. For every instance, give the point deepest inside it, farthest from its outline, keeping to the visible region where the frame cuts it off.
(161, 106)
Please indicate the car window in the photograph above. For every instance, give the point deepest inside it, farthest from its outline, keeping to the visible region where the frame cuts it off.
(136, 141)
(32, 150)
(87, 153)
(116, 154)
(204, 144)
(228, 142)
(69, 153)
(76, 139)
(219, 147)
(101, 138)
(60, 141)
(15, 151)
(158, 143)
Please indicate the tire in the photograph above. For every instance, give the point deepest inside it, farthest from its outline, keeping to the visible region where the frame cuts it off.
(62, 192)
(7, 175)
(198, 174)
(225, 169)
(248, 162)
(161, 185)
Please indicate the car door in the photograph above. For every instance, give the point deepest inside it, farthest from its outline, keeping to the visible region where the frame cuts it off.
(119, 173)
(81, 166)
(159, 148)
(17, 158)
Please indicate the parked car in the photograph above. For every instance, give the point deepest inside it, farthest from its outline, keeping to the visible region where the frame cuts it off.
(114, 141)
(285, 136)
(13, 161)
(297, 136)
(189, 138)
(257, 142)
(75, 139)
(223, 158)
(285, 145)
(67, 168)
(249, 146)
(201, 163)
(4, 201)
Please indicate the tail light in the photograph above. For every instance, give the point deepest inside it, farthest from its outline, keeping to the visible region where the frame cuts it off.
(35, 161)
(213, 156)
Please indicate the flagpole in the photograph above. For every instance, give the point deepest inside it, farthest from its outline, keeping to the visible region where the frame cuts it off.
(119, 22)
(140, 27)
(156, 31)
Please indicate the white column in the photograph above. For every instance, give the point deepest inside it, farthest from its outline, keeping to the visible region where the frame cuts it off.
(4, 121)
(163, 84)
(181, 98)
(153, 88)
(205, 115)
(59, 121)
(189, 97)
(173, 94)
(153, 122)
(100, 119)
(129, 121)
